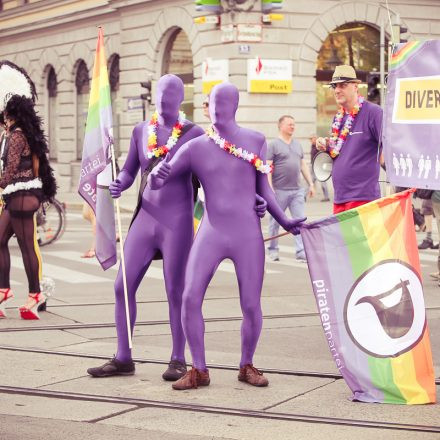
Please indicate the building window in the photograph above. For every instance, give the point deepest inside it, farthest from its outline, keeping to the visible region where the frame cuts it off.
(178, 60)
(82, 83)
(52, 90)
(113, 72)
(356, 44)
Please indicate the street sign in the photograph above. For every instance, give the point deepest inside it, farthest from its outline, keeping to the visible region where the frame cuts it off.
(244, 48)
(227, 33)
(250, 32)
(269, 76)
(208, 19)
(134, 102)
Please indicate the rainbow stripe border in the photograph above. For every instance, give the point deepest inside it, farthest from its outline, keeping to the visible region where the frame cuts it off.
(402, 52)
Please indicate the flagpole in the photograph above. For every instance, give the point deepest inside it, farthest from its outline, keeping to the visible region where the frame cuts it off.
(277, 236)
(121, 247)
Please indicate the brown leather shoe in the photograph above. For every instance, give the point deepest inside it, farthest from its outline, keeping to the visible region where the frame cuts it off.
(194, 378)
(252, 376)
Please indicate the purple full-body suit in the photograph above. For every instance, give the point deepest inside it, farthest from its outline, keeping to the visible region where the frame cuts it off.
(164, 222)
(229, 228)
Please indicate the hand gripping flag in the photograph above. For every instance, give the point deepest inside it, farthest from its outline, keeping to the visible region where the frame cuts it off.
(365, 272)
(96, 167)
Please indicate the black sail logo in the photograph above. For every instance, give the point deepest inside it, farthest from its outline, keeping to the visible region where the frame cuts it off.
(396, 319)
(384, 310)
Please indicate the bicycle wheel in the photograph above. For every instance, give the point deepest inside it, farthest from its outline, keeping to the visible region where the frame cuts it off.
(51, 222)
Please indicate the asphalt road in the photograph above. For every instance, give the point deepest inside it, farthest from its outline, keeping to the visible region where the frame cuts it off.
(50, 395)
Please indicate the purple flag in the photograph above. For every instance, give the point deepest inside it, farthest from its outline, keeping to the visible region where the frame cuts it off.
(412, 116)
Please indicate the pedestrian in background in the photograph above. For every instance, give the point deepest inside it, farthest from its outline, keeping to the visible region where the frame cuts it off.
(428, 213)
(27, 180)
(436, 209)
(89, 215)
(205, 106)
(287, 156)
(313, 152)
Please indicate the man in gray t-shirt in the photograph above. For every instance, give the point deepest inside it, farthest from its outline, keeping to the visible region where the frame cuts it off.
(287, 156)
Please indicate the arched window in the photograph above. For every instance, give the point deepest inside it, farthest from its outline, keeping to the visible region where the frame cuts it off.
(52, 90)
(178, 60)
(82, 84)
(113, 72)
(356, 44)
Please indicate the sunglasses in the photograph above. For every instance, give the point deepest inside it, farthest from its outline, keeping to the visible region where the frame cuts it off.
(205, 104)
(342, 85)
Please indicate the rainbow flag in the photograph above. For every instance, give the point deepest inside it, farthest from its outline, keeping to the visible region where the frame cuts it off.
(198, 214)
(401, 52)
(365, 272)
(96, 168)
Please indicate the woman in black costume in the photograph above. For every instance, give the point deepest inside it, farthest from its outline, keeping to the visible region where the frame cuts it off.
(27, 180)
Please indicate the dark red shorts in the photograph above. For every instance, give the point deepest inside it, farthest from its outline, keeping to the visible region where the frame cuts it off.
(341, 207)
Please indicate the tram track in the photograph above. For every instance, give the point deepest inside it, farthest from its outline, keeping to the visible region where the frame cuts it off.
(165, 362)
(112, 303)
(91, 325)
(161, 301)
(76, 326)
(321, 375)
(239, 412)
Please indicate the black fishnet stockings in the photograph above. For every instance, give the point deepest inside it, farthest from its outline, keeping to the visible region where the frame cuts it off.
(18, 219)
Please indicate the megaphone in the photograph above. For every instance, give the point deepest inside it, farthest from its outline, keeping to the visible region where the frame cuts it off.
(322, 166)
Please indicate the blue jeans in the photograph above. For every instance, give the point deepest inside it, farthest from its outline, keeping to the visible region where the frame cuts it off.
(294, 199)
(323, 184)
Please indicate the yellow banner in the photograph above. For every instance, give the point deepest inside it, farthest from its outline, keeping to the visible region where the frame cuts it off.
(208, 85)
(417, 100)
(270, 86)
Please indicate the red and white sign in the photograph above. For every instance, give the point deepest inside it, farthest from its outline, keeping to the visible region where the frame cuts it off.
(214, 72)
(269, 76)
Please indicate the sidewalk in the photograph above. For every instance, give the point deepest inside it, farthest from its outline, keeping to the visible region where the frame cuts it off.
(46, 393)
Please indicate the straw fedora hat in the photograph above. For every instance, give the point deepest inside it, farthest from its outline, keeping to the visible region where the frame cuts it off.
(344, 73)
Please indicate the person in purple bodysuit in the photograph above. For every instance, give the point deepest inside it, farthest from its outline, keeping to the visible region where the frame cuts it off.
(229, 229)
(162, 226)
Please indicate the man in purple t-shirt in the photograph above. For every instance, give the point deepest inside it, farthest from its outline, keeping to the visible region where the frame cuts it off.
(356, 163)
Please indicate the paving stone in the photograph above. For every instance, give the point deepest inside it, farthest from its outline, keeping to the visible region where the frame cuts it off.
(61, 409)
(241, 428)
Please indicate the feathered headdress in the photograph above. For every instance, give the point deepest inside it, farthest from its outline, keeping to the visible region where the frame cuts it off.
(14, 81)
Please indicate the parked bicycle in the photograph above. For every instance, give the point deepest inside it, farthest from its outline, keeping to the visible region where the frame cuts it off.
(51, 222)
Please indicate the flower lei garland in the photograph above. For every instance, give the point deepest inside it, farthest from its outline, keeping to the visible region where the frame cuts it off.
(152, 149)
(241, 153)
(338, 135)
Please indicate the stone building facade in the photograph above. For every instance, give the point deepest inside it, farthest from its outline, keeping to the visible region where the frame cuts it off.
(54, 40)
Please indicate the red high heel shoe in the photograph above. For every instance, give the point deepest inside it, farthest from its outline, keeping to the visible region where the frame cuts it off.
(7, 296)
(27, 312)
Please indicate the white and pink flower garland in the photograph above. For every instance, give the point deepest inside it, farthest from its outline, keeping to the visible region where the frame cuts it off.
(338, 135)
(241, 153)
(152, 149)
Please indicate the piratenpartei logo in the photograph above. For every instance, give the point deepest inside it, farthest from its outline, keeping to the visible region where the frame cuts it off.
(384, 311)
